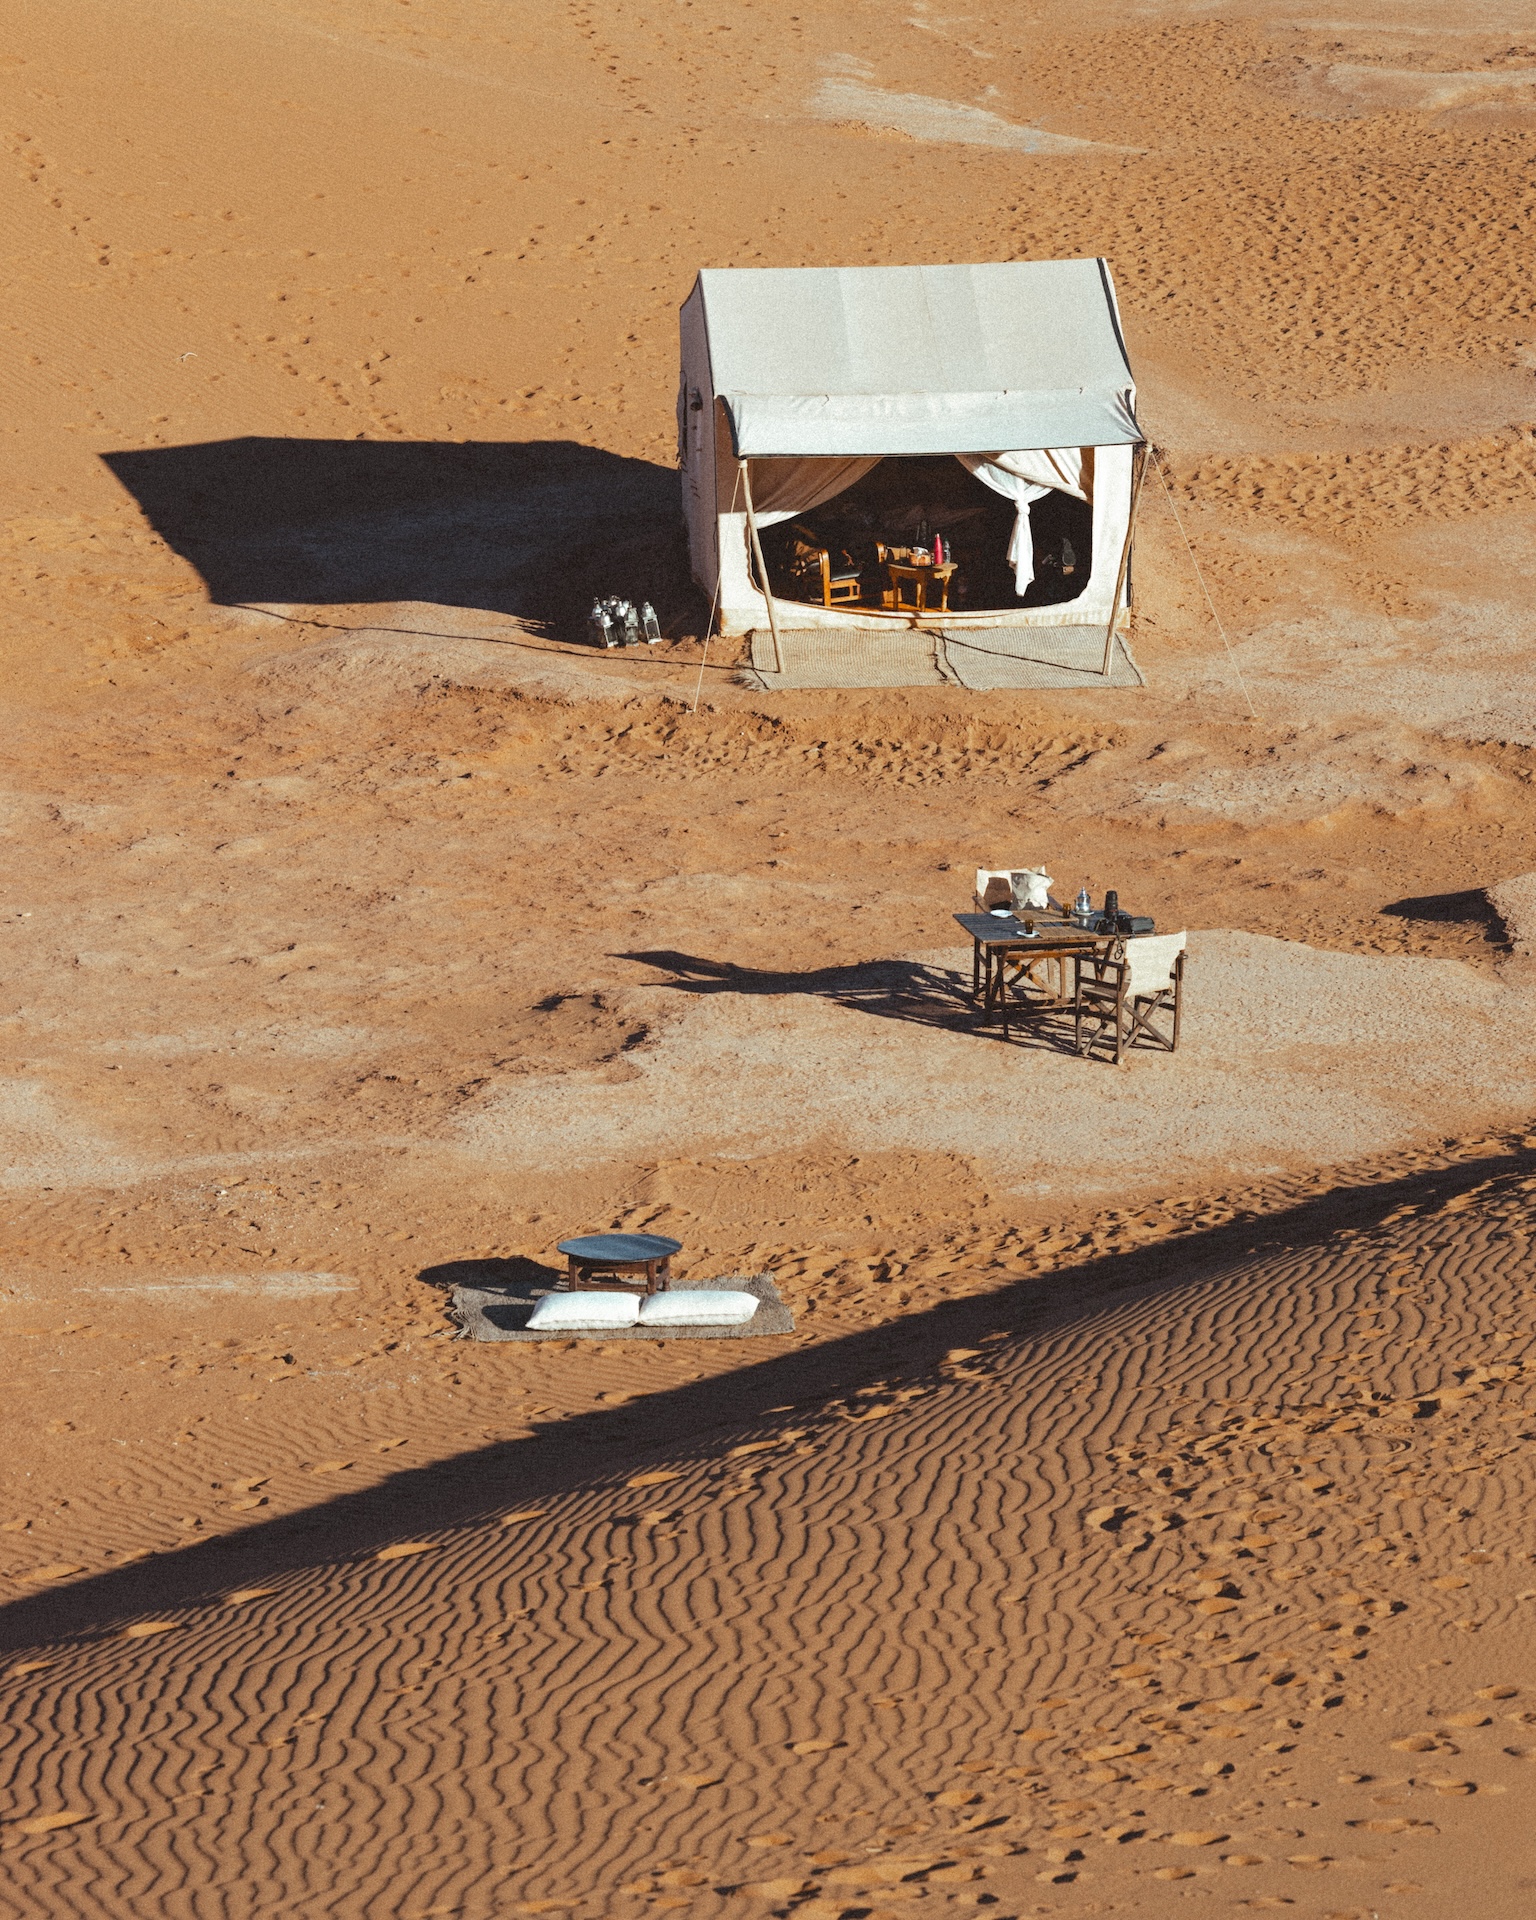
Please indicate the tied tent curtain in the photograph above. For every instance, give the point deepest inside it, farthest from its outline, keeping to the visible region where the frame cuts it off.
(1030, 475)
(782, 489)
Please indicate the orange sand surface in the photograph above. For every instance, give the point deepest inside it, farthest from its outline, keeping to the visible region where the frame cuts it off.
(1141, 1512)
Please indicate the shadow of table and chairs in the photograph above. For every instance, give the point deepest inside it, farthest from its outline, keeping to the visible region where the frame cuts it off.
(915, 992)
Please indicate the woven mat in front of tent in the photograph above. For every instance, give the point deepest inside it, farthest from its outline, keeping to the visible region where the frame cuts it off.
(846, 657)
(989, 658)
(984, 659)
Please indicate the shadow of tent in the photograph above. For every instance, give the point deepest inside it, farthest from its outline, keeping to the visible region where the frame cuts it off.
(906, 990)
(686, 1424)
(534, 529)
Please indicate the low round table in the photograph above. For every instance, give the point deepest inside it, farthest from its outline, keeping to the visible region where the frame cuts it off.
(649, 1254)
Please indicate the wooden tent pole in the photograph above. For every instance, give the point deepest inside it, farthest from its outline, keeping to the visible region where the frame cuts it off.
(1138, 469)
(762, 569)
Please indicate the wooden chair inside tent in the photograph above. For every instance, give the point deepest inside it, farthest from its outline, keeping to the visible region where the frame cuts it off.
(837, 580)
(1126, 998)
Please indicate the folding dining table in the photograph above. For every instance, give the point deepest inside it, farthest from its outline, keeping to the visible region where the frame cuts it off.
(1004, 953)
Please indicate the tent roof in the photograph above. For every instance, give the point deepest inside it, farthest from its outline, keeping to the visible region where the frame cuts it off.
(892, 360)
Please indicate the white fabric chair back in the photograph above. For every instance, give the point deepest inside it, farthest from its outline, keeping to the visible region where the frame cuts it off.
(1034, 883)
(1149, 962)
(984, 874)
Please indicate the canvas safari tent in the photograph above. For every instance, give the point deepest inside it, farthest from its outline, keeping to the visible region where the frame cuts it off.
(796, 382)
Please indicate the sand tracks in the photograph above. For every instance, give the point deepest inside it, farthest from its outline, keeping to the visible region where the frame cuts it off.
(1361, 494)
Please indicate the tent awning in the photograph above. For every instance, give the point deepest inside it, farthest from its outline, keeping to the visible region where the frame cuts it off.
(913, 360)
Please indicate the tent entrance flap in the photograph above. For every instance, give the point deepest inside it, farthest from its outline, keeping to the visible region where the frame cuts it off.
(998, 539)
(1026, 477)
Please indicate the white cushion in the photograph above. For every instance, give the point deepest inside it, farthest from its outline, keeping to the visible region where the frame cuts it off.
(571, 1312)
(697, 1307)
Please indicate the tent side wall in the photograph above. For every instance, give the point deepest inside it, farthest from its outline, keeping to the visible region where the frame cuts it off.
(696, 443)
(710, 473)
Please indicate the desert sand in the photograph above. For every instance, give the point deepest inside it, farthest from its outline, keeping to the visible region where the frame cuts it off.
(1141, 1512)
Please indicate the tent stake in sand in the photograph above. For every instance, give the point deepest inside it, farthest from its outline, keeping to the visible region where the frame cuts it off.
(1138, 469)
(762, 568)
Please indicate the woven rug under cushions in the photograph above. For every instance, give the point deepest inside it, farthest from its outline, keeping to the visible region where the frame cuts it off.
(501, 1313)
(990, 659)
(845, 657)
